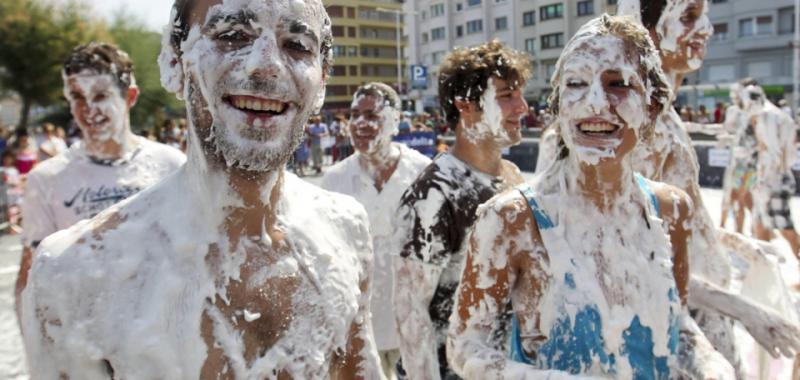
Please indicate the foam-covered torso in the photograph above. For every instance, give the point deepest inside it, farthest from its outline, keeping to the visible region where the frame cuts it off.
(349, 177)
(154, 289)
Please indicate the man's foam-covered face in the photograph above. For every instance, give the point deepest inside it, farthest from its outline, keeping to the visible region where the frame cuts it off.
(255, 75)
(753, 99)
(683, 31)
(602, 99)
(97, 104)
(373, 122)
(499, 115)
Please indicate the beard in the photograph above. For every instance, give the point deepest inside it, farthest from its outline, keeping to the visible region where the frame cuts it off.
(238, 145)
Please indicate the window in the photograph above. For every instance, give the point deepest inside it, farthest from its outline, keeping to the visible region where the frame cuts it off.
(746, 27)
(336, 90)
(786, 20)
(763, 25)
(759, 69)
(459, 7)
(550, 41)
(337, 31)
(718, 1)
(721, 73)
(551, 11)
(474, 26)
(335, 11)
(351, 31)
(530, 44)
(338, 51)
(459, 30)
(528, 18)
(438, 56)
(586, 8)
(437, 10)
(351, 12)
(549, 70)
(501, 23)
(611, 2)
(437, 33)
(379, 51)
(720, 32)
(353, 70)
(352, 51)
(473, 3)
(424, 38)
(339, 70)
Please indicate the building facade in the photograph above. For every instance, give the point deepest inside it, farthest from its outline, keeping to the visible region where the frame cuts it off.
(539, 27)
(365, 48)
(751, 39)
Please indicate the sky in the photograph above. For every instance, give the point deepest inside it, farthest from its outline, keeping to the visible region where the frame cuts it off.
(154, 13)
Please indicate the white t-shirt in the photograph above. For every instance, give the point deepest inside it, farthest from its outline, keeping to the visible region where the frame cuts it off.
(73, 186)
(347, 177)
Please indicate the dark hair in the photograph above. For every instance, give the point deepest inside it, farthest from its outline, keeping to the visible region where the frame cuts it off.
(465, 72)
(748, 82)
(379, 90)
(102, 58)
(179, 31)
(651, 11)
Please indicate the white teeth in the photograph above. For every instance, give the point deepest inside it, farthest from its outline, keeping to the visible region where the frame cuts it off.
(597, 127)
(258, 105)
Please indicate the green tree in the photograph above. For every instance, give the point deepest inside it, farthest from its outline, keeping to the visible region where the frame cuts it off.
(35, 37)
(131, 35)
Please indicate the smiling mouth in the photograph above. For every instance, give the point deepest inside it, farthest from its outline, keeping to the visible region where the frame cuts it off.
(257, 106)
(598, 129)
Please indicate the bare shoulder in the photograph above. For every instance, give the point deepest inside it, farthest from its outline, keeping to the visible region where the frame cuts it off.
(510, 213)
(674, 203)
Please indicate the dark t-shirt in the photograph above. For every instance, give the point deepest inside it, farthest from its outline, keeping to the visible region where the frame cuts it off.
(437, 212)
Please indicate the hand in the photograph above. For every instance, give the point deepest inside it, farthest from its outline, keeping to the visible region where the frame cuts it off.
(774, 333)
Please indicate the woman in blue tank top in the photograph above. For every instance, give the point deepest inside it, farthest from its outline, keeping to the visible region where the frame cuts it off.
(590, 256)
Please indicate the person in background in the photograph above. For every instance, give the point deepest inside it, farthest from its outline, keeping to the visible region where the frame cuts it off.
(687, 113)
(316, 131)
(14, 185)
(719, 113)
(703, 117)
(51, 145)
(26, 153)
(480, 89)
(376, 176)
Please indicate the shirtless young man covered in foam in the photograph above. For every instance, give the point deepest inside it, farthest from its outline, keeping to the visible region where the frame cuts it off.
(591, 255)
(232, 268)
(107, 166)
(776, 135)
(480, 90)
(680, 30)
(376, 176)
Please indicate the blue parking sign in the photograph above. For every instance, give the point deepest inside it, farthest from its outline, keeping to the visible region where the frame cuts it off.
(419, 77)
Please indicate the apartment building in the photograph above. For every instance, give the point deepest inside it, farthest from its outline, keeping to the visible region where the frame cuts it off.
(751, 39)
(539, 27)
(365, 47)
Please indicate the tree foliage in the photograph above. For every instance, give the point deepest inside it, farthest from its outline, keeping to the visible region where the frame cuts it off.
(35, 36)
(143, 46)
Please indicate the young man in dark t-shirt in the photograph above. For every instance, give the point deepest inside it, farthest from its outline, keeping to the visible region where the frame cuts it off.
(480, 90)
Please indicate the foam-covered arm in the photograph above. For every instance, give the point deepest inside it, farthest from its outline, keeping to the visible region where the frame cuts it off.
(415, 285)
(773, 332)
(697, 359)
(709, 129)
(749, 249)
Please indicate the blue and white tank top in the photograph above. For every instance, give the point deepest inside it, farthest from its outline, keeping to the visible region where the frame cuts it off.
(576, 338)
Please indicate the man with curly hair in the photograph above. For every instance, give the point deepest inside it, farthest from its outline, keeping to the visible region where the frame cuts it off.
(480, 91)
(109, 165)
